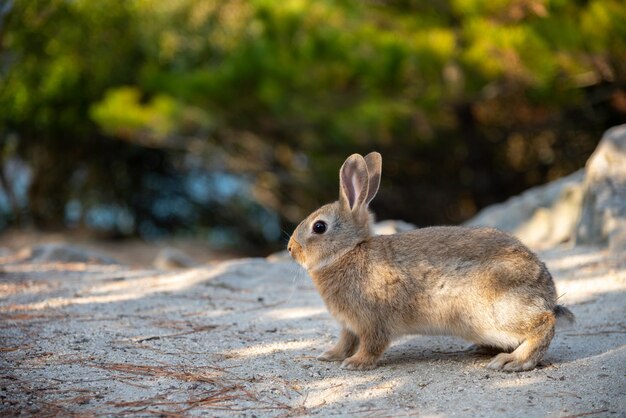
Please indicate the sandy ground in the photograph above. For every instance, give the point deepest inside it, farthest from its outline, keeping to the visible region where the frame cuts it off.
(239, 338)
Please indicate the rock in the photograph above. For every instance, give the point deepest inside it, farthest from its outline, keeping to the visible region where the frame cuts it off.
(587, 207)
(540, 217)
(279, 256)
(603, 215)
(391, 226)
(63, 253)
(173, 258)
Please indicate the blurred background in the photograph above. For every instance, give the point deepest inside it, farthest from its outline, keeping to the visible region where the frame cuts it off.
(226, 121)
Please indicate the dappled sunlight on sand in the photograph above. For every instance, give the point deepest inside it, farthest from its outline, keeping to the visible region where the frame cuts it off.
(160, 282)
(61, 302)
(9, 289)
(580, 290)
(272, 347)
(577, 260)
(336, 389)
(515, 381)
(584, 273)
(130, 288)
(295, 313)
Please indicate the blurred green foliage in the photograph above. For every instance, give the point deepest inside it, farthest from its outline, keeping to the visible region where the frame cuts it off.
(470, 101)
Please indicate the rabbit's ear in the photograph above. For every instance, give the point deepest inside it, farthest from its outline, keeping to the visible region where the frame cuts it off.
(353, 181)
(374, 163)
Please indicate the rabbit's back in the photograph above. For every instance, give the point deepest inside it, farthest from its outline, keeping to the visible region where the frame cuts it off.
(443, 243)
(459, 280)
(465, 254)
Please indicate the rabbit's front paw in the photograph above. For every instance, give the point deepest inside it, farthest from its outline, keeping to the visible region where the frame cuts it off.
(331, 355)
(358, 363)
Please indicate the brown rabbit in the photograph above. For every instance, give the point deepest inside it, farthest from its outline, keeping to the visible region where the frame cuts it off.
(480, 284)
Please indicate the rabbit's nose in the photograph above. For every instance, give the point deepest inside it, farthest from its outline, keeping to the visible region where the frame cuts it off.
(289, 248)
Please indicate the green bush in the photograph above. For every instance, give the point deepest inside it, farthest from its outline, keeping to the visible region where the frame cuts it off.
(469, 101)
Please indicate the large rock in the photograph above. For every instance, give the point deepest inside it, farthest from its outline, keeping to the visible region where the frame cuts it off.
(586, 207)
(603, 215)
(541, 217)
(391, 226)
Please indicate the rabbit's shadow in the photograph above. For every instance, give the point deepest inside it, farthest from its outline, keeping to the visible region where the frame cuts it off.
(471, 355)
(433, 352)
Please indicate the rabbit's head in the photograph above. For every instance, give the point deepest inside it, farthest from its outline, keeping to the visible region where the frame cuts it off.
(336, 228)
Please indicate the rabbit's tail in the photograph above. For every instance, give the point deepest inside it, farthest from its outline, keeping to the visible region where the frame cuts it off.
(563, 315)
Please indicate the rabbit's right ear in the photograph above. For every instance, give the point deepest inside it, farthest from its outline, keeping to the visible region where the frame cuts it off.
(354, 182)
(374, 163)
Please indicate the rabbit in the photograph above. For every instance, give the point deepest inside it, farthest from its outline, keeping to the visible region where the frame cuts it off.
(480, 284)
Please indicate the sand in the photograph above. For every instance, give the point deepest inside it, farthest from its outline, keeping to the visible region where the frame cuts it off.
(240, 338)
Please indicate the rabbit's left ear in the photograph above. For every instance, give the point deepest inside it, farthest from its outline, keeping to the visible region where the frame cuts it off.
(374, 163)
(353, 182)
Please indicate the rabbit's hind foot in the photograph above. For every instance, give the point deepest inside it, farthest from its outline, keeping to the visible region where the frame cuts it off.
(530, 351)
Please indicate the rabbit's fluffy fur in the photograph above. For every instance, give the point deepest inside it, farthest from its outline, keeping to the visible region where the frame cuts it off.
(480, 284)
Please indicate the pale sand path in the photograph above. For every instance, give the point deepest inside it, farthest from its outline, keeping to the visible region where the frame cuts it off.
(240, 338)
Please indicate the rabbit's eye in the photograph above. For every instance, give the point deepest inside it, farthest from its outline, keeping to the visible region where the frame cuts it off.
(319, 227)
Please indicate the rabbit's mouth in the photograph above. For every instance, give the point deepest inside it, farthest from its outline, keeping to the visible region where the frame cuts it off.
(295, 250)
